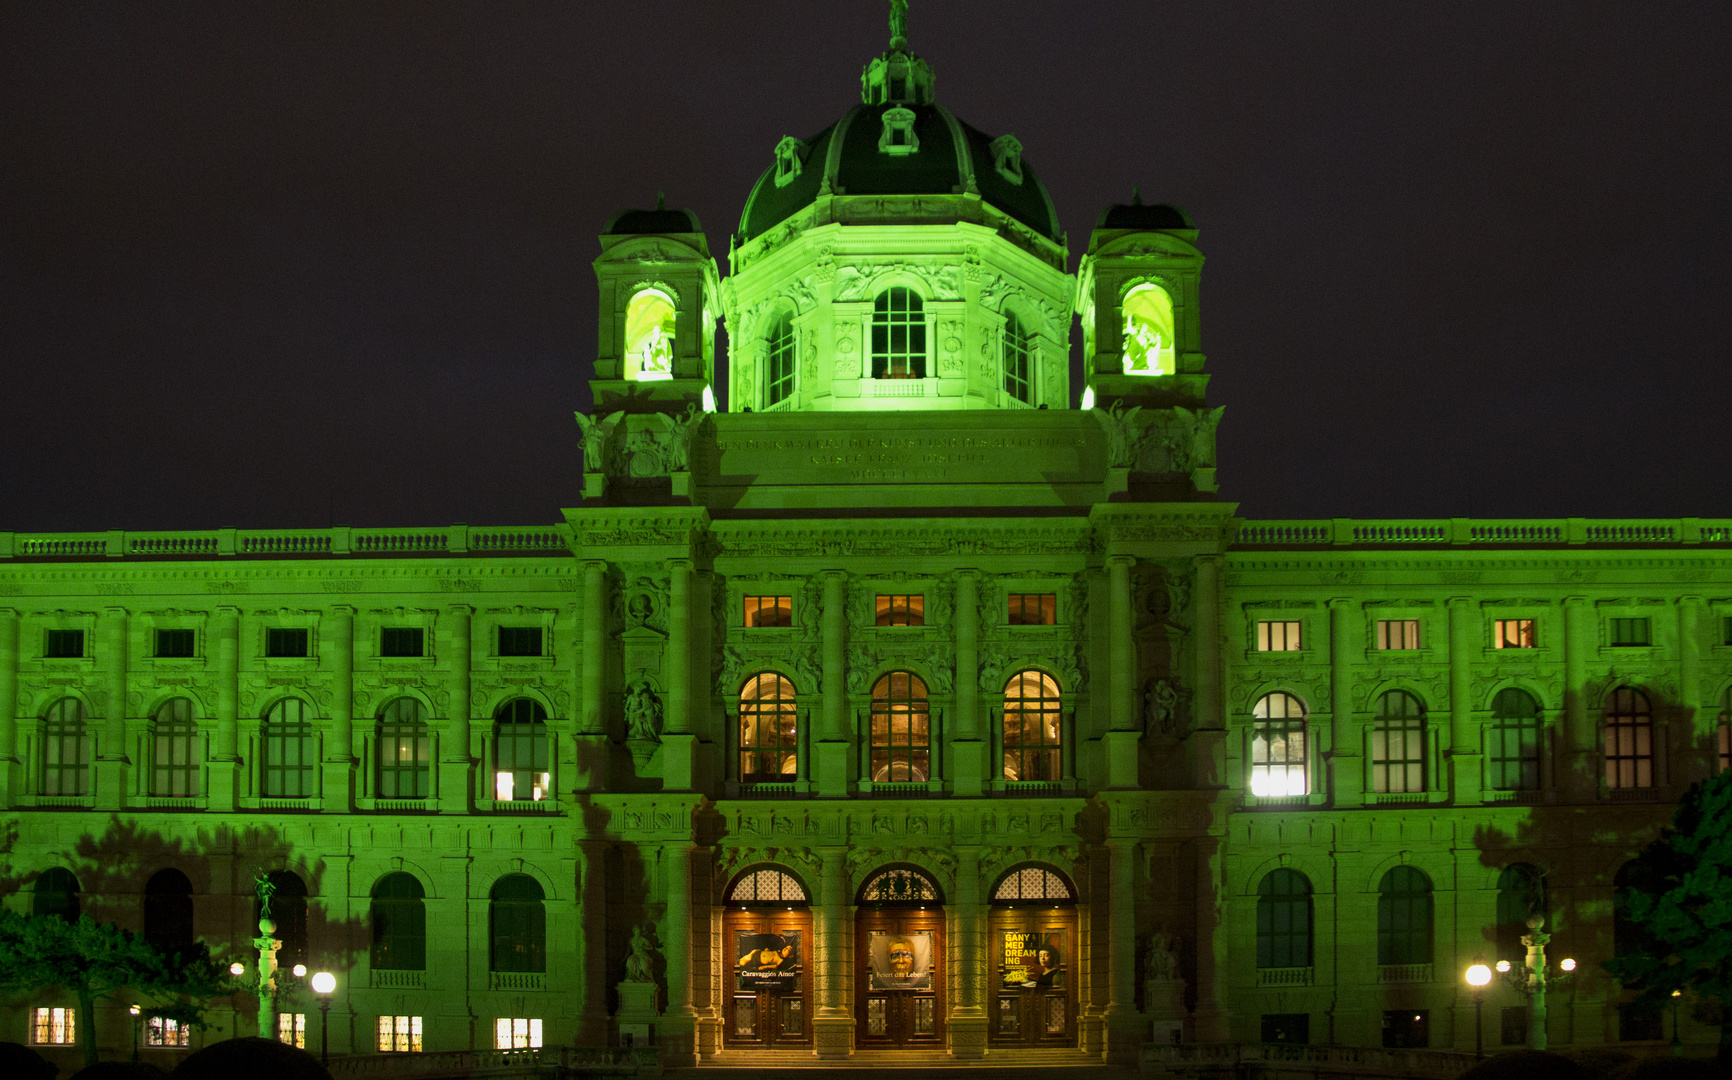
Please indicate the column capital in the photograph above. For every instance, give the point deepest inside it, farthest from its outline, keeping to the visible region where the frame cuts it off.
(115, 611)
(1126, 561)
(1340, 603)
(1688, 601)
(343, 609)
(595, 565)
(461, 609)
(1211, 559)
(1457, 603)
(1575, 601)
(680, 563)
(226, 609)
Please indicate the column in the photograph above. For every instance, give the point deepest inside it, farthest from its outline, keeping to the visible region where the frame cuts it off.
(1124, 1023)
(1123, 738)
(456, 758)
(1346, 769)
(832, 773)
(1209, 731)
(592, 740)
(592, 943)
(11, 769)
(679, 745)
(1697, 761)
(1579, 775)
(679, 1021)
(968, 1017)
(833, 1026)
(338, 643)
(111, 764)
(971, 765)
(1464, 777)
(225, 778)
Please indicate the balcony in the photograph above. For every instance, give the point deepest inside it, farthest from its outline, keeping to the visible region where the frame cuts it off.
(1404, 973)
(397, 980)
(1292, 976)
(517, 980)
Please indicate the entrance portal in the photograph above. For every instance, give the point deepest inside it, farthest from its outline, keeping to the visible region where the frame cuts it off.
(1032, 942)
(899, 962)
(767, 928)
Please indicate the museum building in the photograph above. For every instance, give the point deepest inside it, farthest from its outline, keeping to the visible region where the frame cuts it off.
(902, 706)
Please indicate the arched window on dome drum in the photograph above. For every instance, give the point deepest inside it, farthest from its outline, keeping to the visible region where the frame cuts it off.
(1033, 885)
(1284, 920)
(1629, 740)
(1018, 383)
(1278, 746)
(768, 744)
(1513, 750)
(1033, 726)
(1404, 917)
(168, 911)
(1148, 345)
(289, 752)
(174, 752)
(899, 885)
(520, 752)
(289, 910)
(901, 729)
(1398, 744)
(1521, 893)
(517, 925)
(399, 918)
(898, 335)
(405, 751)
(649, 336)
(769, 886)
(56, 893)
(779, 361)
(65, 749)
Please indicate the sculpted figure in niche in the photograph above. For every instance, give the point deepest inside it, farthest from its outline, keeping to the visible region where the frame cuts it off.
(643, 713)
(1161, 708)
(676, 444)
(638, 965)
(1163, 956)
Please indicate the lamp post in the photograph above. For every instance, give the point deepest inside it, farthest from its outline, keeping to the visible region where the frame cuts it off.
(323, 983)
(1478, 977)
(1677, 1043)
(133, 1009)
(1534, 977)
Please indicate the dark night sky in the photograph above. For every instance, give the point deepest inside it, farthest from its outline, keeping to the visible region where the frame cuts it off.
(273, 265)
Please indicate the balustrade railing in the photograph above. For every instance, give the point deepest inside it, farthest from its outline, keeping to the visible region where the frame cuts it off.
(293, 543)
(1368, 1061)
(543, 1061)
(1470, 532)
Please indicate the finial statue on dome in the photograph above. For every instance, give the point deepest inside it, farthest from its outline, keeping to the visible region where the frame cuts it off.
(898, 24)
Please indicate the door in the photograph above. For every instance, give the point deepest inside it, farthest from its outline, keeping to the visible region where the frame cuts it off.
(768, 996)
(899, 987)
(1033, 976)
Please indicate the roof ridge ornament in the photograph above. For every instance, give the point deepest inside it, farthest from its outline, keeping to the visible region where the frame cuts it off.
(899, 24)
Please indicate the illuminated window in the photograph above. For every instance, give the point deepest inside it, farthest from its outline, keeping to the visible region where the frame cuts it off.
(1514, 742)
(768, 745)
(290, 753)
(769, 887)
(517, 925)
(520, 751)
(1521, 894)
(168, 911)
(899, 885)
(1278, 636)
(1628, 633)
(56, 893)
(779, 362)
(65, 749)
(1032, 885)
(289, 909)
(1033, 609)
(515, 1034)
(1032, 727)
(649, 336)
(1629, 740)
(399, 1034)
(1017, 382)
(399, 917)
(402, 641)
(64, 645)
(1278, 746)
(292, 1029)
(900, 610)
(285, 641)
(1404, 917)
(898, 335)
(901, 729)
(1284, 920)
(175, 760)
(1148, 314)
(404, 749)
(769, 611)
(1513, 634)
(1398, 744)
(175, 644)
(520, 641)
(166, 1031)
(55, 1027)
(1398, 633)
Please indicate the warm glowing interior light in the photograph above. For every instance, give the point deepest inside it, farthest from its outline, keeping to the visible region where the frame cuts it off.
(502, 786)
(1568, 964)
(649, 336)
(1503, 965)
(324, 982)
(1148, 331)
(300, 971)
(1088, 398)
(1478, 975)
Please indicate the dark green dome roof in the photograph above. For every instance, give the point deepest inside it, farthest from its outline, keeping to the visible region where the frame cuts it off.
(1135, 215)
(659, 220)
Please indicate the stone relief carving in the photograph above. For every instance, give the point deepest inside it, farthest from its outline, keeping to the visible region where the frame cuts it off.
(1161, 708)
(643, 713)
(1124, 434)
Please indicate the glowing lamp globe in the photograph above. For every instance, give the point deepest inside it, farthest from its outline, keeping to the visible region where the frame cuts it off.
(237, 969)
(300, 971)
(1503, 965)
(1568, 964)
(324, 982)
(1478, 975)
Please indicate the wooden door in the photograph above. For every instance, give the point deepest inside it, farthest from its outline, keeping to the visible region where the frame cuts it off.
(1033, 976)
(899, 978)
(769, 995)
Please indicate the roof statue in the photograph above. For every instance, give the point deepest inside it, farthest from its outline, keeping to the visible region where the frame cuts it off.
(898, 24)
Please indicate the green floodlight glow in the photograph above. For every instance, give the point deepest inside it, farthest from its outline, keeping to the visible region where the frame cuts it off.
(649, 336)
(1148, 331)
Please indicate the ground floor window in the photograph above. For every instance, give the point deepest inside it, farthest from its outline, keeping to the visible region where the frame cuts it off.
(1407, 1029)
(292, 1029)
(1286, 1027)
(400, 1034)
(55, 1027)
(165, 1031)
(514, 1033)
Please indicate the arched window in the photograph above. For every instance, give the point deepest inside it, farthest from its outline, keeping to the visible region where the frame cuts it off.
(649, 336)
(1630, 936)
(1398, 744)
(1018, 381)
(399, 924)
(900, 885)
(768, 886)
(65, 749)
(289, 911)
(1278, 746)
(779, 361)
(517, 925)
(174, 752)
(901, 729)
(168, 911)
(1033, 885)
(405, 751)
(768, 745)
(1514, 740)
(287, 766)
(898, 335)
(1032, 723)
(1404, 919)
(1148, 314)
(56, 893)
(520, 751)
(1284, 920)
(1629, 740)
(1521, 894)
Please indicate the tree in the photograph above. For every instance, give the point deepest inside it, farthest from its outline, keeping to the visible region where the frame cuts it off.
(1679, 898)
(93, 960)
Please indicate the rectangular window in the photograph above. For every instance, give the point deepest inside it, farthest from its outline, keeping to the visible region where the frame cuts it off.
(1726, 630)
(516, 1034)
(520, 641)
(1279, 636)
(1513, 634)
(1033, 609)
(54, 1027)
(175, 644)
(402, 641)
(901, 610)
(1398, 633)
(1398, 754)
(1514, 746)
(283, 641)
(767, 611)
(1629, 633)
(1407, 1029)
(399, 1034)
(64, 645)
(1287, 1028)
(292, 1029)
(163, 1031)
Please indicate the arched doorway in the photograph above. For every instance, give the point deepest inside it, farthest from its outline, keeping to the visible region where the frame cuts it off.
(1033, 949)
(899, 961)
(767, 932)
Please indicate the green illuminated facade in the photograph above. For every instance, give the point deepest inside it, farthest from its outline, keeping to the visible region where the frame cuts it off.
(902, 706)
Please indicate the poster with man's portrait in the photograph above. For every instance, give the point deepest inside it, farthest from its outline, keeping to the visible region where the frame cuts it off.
(1032, 959)
(767, 961)
(900, 961)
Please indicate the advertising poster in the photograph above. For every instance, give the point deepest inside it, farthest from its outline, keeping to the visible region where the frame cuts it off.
(767, 961)
(900, 961)
(1032, 959)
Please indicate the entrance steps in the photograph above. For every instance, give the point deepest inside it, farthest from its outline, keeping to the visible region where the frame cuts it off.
(1009, 1063)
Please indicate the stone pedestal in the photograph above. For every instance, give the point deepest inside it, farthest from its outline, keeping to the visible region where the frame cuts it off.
(637, 1015)
(679, 761)
(643, 751)
(833, 1036)
(968, 1034)
(1164, 1005)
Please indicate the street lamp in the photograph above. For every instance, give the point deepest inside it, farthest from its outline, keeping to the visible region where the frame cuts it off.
(323, 983)
(1534, 976)
(1677, 1043)
(133, 1009)
(1478, 977)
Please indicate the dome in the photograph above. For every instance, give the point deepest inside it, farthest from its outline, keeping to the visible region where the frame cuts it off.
(659, 220)
(1134, 215)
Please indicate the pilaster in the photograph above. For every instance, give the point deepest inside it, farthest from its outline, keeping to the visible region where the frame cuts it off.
(1579, 776)
(592, 943)
(1124, 1024)
(11, 769)
(338, 644)
(833, 1026)
(1697, 723)
(1465, 776)
(678, 1028)
(968, 1018)
(593, 745)
(1209, 720)
(113, 767)
(969, 749)
(1123, 739)
(456, 775)
(1346, 777)
(832, 773)
(225, 766)
(679, 745)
